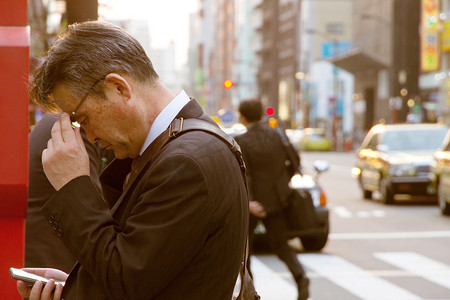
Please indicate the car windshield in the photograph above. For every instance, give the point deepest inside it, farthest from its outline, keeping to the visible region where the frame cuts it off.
(422, 139)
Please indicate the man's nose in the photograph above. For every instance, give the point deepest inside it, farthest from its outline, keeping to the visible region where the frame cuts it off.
(90, 134)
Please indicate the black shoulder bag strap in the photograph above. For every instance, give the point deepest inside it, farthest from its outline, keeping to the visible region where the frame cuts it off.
(180, 126)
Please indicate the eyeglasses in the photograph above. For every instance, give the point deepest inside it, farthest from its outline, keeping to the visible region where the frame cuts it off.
(75, 123)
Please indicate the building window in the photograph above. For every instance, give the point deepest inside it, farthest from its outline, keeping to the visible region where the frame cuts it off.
(335, 28)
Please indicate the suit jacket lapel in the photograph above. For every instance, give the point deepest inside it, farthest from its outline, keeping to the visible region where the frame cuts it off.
(112, 179)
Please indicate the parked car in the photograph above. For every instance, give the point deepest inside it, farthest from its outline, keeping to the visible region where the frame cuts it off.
(396, 159)
(440, 169)
(314, 238)
(295, 136)
(314, 139)
(235, 129)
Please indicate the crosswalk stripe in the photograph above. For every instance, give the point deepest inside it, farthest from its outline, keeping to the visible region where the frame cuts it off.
(353, 279)
(418, 264)
(388, 235)
(363, 214)
(378, 213)
(342, 212)
(345, 213)
(269, 284)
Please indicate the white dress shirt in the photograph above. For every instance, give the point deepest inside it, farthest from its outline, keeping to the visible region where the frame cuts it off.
(165, 117)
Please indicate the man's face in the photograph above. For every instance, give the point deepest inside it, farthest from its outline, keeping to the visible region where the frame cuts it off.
(108, 122)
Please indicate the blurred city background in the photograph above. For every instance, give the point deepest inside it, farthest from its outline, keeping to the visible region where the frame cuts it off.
(339, 65)
(328, 71)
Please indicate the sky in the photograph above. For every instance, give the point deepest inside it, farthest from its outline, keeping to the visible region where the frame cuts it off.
(168, 19)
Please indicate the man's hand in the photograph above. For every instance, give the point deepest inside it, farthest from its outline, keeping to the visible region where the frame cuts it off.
(256, 209)
(66, 157)
(51, 291)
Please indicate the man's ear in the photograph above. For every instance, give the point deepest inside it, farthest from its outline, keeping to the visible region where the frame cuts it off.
(120, 84)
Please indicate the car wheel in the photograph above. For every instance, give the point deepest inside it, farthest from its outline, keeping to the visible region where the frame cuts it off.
(367, 194)
(386, 191)
(443, 204)
(315, 243)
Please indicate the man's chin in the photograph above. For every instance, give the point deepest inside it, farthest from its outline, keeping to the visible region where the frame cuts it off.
(121, 154)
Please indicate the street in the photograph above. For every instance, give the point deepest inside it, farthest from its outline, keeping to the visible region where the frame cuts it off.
(374, 251)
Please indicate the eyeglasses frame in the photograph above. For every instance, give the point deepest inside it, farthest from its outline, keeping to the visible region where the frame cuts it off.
(72, 114)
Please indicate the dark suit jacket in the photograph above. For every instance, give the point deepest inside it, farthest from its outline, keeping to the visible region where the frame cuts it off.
(176, 232)
(42, 247)
(265, 157)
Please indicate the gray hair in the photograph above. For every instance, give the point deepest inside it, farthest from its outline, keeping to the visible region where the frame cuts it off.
(84, 55)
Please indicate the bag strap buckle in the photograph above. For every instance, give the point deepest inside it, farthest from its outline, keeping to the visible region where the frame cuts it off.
(176, 127)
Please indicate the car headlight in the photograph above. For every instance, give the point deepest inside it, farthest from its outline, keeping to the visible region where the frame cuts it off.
(402, 170)
(356, 172)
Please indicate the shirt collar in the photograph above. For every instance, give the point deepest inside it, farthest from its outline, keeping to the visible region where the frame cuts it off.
(165, 117)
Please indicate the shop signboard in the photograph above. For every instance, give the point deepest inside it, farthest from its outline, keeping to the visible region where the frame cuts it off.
(445, 36)
(429, 44)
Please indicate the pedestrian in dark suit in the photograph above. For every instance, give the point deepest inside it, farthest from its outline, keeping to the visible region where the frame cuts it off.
(268, 179)
(174, 217)
(42, 247)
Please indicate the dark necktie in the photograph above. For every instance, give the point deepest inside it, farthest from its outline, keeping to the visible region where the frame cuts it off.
(133, 173)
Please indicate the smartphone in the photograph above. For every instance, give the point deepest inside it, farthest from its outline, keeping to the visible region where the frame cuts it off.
(27, 277)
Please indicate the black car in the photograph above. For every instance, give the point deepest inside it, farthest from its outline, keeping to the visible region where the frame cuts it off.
(440, 169)
(395, 159)
(315, 237)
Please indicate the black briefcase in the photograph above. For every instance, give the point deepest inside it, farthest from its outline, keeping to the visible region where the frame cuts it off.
(300, 212)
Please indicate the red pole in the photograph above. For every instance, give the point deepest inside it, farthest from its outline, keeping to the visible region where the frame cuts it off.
(14, 70)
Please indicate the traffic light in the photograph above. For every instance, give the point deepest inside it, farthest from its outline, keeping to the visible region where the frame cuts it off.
(228, 83)
(273, 122)
(269, 111)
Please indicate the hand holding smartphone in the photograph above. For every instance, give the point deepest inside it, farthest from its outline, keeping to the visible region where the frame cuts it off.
(29, 278)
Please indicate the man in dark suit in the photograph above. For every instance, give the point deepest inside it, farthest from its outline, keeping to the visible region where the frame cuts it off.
(268, 179)
(42, 247)
(173, 221)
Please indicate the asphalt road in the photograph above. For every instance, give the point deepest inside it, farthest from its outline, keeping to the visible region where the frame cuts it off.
(374, 251)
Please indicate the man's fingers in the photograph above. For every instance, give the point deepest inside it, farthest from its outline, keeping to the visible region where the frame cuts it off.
(58, 292)
(62, 131)
(56, 132)
(48, 289)
(66, 128)
(36, 290)
(23, 289)
(50, 144)
(80, 139)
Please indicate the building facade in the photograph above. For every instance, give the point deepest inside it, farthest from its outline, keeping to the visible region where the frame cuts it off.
(384, 61)
(326, 32)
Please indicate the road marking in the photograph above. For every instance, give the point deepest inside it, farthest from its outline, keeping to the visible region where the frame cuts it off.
(342, 212)
(379, 273)
(388, 235)
(419, 265)
(345, 213)
(353, 279)
(378, 213)
(363, 214)
(269, 284)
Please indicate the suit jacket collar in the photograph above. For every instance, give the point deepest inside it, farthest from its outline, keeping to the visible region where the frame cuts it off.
(120, 168)
(190, 110)
(255, 126)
